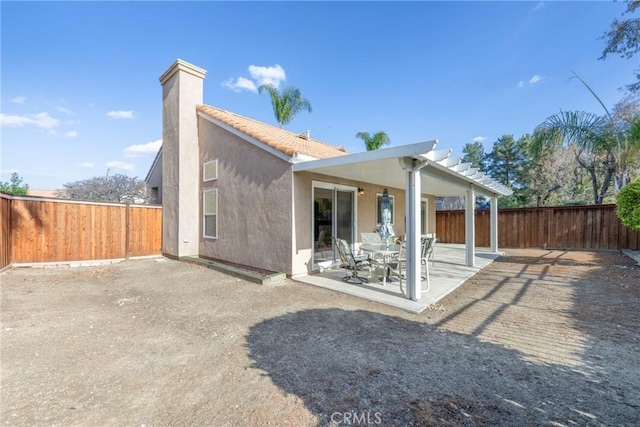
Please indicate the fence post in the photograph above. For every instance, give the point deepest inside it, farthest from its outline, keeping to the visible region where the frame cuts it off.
(10, 232)
(127, 223)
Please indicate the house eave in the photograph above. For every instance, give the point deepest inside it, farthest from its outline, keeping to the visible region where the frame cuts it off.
(153, 165)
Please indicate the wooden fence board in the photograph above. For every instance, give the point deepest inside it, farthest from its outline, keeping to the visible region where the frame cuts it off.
(5, 231)
(562, 227)
(46, 230)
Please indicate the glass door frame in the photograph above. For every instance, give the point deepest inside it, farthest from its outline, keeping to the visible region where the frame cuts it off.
(334, 218)
(426, 215)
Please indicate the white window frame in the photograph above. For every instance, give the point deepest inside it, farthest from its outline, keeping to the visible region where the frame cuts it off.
(205, 213)
(378, 210)
(426, 215)
(204, 168)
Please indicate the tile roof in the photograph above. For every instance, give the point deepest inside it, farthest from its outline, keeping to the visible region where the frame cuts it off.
(282, 140)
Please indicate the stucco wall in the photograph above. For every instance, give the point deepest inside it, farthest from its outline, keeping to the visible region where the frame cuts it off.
(366, 211)
(182, 90)
(155, 180)
(170, 170)
(254, 202)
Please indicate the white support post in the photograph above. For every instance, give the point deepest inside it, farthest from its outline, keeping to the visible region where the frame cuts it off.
(413, 193)
(470, 227)
(493, 227)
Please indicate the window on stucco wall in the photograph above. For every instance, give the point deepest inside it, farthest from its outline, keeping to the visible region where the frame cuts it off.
(210, 171)
(210, 213)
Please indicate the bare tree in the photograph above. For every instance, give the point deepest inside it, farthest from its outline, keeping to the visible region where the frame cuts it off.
(116, 188)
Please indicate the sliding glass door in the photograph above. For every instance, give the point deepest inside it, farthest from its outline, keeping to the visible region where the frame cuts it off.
(334, 216)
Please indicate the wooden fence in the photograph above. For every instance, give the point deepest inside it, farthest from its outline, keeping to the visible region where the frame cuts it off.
(49, 230)
(5, 232)
(562, 227)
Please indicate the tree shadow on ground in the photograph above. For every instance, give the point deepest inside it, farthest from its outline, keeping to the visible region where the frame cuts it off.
(364, 368)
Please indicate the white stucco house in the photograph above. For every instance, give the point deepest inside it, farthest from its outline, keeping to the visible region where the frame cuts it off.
(238, 190)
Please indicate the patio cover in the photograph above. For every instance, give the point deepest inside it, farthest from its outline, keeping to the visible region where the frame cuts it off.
(417, 168)
(443, 175)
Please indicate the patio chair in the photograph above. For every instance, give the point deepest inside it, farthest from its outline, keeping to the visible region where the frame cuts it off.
(371, 239)
(398, 266)
(427, 253)
(352, 263)
(427, 244)
(320, 244)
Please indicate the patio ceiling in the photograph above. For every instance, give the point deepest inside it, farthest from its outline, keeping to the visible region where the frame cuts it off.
(443, 175)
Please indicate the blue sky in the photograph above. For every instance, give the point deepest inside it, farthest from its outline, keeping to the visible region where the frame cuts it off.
(80, 91)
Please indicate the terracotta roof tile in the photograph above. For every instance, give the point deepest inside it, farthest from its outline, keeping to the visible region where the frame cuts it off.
(282, 140)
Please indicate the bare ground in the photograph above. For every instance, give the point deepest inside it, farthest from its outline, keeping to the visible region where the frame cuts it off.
(537, 338)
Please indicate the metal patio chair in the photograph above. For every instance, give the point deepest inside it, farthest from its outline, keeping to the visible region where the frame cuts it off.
(353, 263)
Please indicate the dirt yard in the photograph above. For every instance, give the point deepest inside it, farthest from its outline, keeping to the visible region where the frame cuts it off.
(537, 338)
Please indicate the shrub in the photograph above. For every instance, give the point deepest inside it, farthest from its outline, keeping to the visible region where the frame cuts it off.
(628, 204)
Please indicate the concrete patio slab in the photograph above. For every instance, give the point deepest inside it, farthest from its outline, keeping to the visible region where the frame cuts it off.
(447, 272)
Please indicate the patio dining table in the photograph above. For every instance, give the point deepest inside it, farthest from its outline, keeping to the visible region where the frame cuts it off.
(387, 252)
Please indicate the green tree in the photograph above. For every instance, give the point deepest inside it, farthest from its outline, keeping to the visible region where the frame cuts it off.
(375, 141)
(286, 104)
(553, 176)
(623, 38)
(506, 160)
(474, 154)
(628, 205)
(506, 163)
(14, 186)
(625, 124)
(617, 135)
(595, 145)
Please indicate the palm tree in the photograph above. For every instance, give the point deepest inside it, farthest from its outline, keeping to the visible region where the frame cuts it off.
(375, 141)
(286, 104)
(621, 129)
(596, 146)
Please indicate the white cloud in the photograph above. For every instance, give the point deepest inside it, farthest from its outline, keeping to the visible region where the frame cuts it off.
(18, 100)
(41, 120)
(120, 114)
(259, 75)
(120, 165)
(85, 165)
(535, 79)
(66, 111)
(479, 138)
(538, 6)
(267, 75)
(241, 84)
(532, 81)
(138, 150)
(71, 134)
